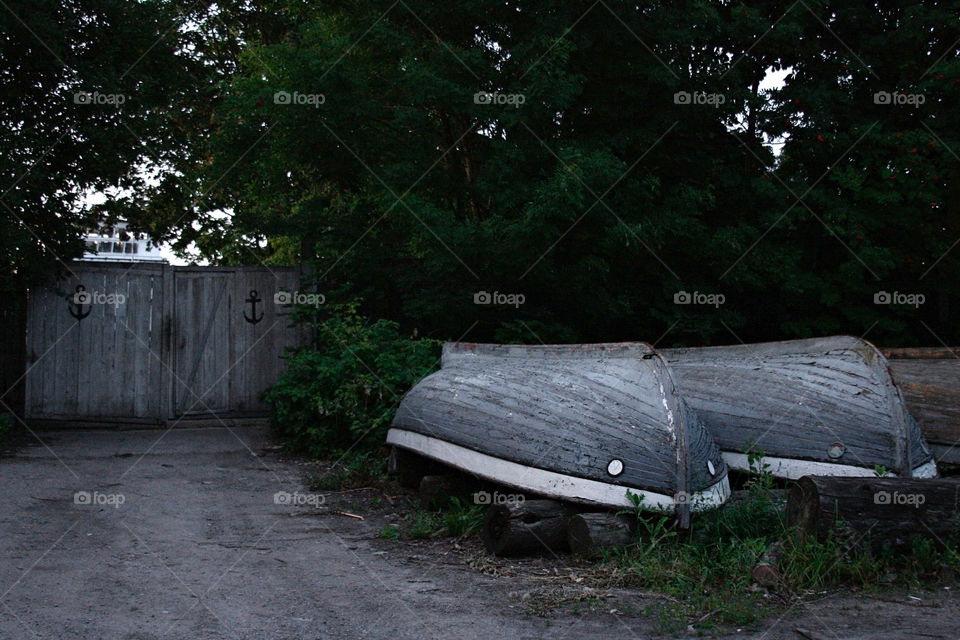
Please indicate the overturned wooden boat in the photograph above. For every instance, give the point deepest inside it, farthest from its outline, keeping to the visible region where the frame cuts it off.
(580, 423)
(930, 381)
(822, 406)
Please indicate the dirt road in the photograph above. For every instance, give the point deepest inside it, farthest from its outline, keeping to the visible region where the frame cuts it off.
(205, 534)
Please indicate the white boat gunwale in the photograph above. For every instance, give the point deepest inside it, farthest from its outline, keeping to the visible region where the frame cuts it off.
(795, 468)
(551, 483)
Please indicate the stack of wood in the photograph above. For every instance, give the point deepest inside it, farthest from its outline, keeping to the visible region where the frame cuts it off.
(550, 527)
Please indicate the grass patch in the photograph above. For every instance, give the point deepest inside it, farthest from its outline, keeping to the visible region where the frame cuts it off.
(458, 519)
(462, 519)
(350, 471)
(705, 573)
(390, 532)
(423, 524)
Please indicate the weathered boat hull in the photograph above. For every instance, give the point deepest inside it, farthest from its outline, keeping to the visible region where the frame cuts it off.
(930, 381)
(582, 423)
(823, 406)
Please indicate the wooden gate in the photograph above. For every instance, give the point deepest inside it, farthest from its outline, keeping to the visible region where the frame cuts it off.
(227, 349)
(155, 343)
(13, 355)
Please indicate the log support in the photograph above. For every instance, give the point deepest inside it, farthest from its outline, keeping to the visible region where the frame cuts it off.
(887, 512)
(588, 534)
(530, 527)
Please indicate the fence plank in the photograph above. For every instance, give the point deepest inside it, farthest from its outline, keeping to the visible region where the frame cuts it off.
(13, 352)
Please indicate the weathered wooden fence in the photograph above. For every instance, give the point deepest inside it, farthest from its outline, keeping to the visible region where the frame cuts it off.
(192, 342)
(156, 343)
(13, 318)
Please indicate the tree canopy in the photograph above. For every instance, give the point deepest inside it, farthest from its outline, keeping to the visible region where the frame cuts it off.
(611, 170)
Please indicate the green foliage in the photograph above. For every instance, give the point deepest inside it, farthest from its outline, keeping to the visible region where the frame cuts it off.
(600, 188)
(761, 480)
(390, 532)
(699, 579)
(457, 519)
(653, 526)
(814, 564)
(462, 518)
(351, 470)
(423, 524)
(707, 571)
(343, 391)
(102, 96)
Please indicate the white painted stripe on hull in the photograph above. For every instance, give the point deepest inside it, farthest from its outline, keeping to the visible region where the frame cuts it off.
(548, 483)
(927, 470)
(794, 469)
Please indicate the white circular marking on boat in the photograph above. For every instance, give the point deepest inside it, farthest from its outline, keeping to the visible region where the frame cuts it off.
(615, 467)
(836, 450)
(711, 468)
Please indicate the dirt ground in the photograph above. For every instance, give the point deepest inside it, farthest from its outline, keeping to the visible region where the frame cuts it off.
(147, 534)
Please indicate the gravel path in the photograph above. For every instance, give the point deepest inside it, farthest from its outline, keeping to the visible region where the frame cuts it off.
(145, 535)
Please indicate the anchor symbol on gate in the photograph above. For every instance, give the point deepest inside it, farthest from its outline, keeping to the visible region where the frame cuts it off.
(253, 300)
(76, 304)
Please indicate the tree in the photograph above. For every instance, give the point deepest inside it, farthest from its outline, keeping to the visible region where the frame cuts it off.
(104, 96)
(872, 149)
(431, 155)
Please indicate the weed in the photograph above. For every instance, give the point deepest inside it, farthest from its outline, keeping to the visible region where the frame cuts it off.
(706, 573)
(352, 470)
(390, 532)
(652, 526)
(462, 518)
(762, 479)
(423, 524)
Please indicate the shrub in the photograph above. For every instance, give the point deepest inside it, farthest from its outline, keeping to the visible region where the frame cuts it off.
(344, 391)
